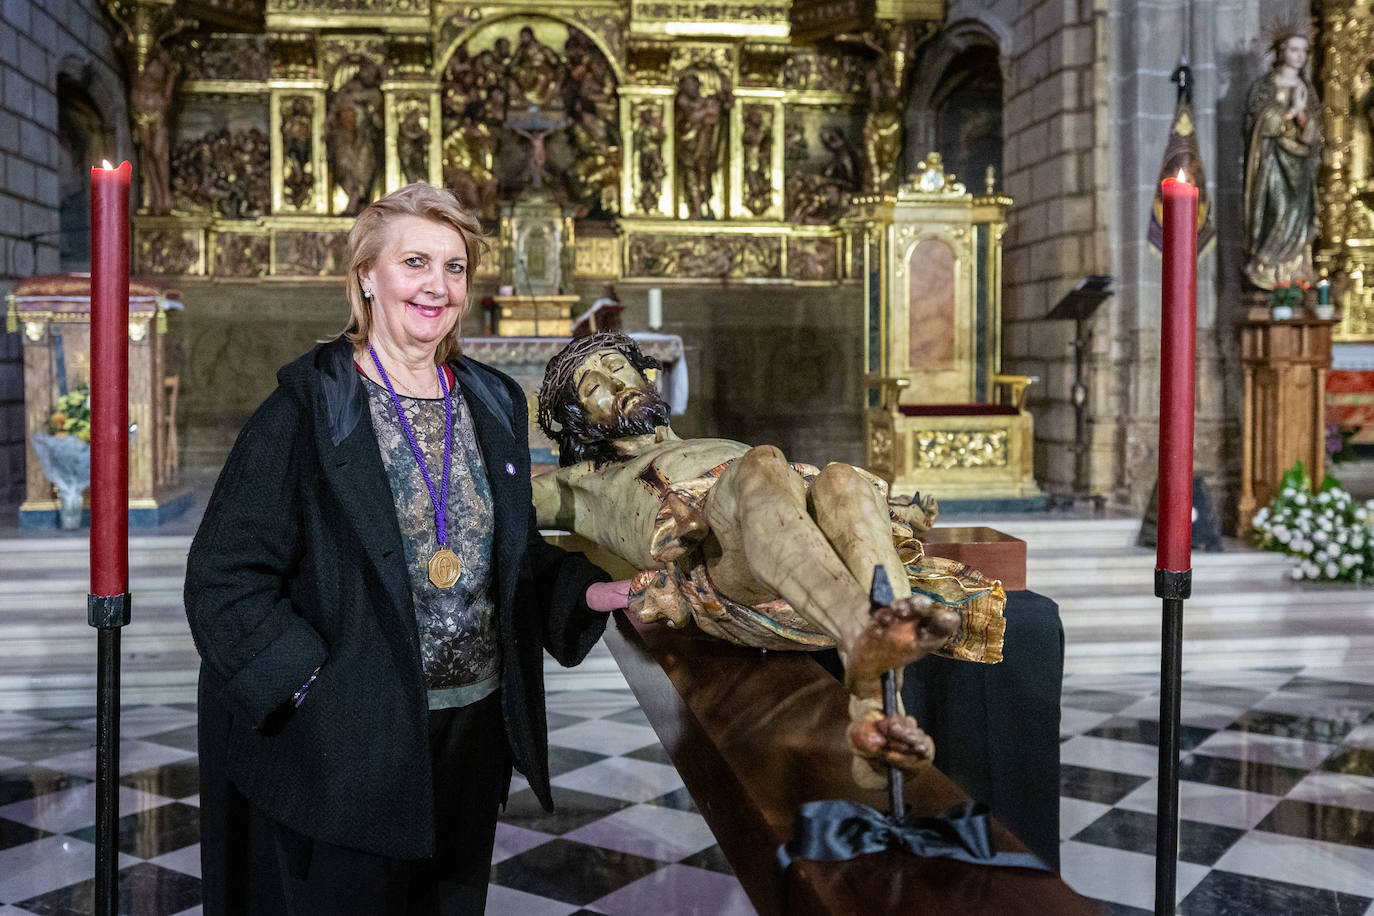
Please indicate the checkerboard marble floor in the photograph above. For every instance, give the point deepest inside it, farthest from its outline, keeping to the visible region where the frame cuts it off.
(1277, 800)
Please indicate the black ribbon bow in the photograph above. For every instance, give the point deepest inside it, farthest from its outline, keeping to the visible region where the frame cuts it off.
(840, 830)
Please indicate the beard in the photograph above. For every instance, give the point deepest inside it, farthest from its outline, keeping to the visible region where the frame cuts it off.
(637, 412)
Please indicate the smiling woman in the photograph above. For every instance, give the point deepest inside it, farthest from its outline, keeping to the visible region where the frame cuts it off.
(370, 599)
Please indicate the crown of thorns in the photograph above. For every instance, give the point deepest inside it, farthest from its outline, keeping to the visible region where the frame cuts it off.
(561, 367)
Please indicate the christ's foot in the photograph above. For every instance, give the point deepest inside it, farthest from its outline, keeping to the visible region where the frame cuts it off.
(880, 741)
(894, 637)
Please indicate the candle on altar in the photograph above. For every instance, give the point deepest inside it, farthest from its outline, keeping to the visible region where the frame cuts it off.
(1324, 292)
(110, 379)
(1177, 357)
(655, 309)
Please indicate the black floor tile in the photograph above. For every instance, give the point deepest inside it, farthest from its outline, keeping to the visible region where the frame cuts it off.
(1341, 690)
(632, 716)
(559, 720)
(1239, 697)
(654, 753)
(1358, 761)
(566, 759)
(13, 833)
(1097, 785)
(144, 890)
(51, 742)
(1329, 823)
(171, 780)
(573, 809)
(711, 859)
(572, 872)
(1222, 893)
(28, 782)
(1265, 778)
(65, 713)
(1097, 700)
(1286, 725)
(1121, 909)
(678, 799)
(1146, 731)
(1134, 831)
(183, 738)
(184, 707)
(151, 833)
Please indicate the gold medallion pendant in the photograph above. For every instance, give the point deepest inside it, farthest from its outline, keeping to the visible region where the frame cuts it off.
(444, 568)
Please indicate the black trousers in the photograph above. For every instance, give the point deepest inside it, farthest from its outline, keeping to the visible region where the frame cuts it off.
(290, 874)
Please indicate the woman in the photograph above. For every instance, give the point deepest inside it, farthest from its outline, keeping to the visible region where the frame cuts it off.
(1283, 152)
(370, 596)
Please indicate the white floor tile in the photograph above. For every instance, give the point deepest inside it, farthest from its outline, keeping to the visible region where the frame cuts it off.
(134, 755)
(1077, 813)
(1119, 876)
(1246, 678)
(591, 703)
(1191, 712)
(512, 840)
(72, 809)
(623, 778)
(1259, 748)
(185, 860)
(1334, 866)
(1142, 684)
(602, 737)
(35, 868)
(1209, 804)
(653, 831)
(1078, 721)
(7, 762)
(687, 891)
(1361, 737)
(1343, 790)
(1301, 704)
(1359, 674)
(1106, 754)
(146, 720)
(17, 724)
(505, 901)
(193, 911)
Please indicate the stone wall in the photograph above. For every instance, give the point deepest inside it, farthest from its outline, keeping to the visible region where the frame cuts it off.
(40, 39)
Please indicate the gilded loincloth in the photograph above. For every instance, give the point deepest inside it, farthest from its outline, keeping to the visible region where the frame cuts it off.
(680, 589)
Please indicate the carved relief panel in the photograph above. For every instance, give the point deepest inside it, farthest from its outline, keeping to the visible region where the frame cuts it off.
(298, 169)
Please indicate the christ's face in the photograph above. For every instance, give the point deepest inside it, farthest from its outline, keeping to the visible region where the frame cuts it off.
(609, 386)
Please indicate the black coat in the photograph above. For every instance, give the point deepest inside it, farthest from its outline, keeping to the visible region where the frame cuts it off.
(298, 562)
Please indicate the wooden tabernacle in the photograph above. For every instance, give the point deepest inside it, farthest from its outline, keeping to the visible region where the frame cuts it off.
(755, 735)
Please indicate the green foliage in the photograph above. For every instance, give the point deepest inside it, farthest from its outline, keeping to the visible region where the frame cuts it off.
(71, 415)
(1328, 531)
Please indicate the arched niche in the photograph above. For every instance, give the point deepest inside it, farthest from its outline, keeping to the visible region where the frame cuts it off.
(84, 138)
(955, 102)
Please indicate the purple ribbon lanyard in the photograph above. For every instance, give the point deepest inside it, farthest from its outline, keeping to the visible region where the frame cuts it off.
(440, 500)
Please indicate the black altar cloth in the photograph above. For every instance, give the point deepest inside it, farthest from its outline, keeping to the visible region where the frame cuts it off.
(996, 727)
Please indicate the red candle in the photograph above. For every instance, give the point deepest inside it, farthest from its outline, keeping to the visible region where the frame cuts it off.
(1177, 357)
(110, 379)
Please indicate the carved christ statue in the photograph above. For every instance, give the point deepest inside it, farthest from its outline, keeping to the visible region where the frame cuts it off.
(751, 548)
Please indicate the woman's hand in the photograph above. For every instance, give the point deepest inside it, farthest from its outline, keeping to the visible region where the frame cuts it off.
(608, 596)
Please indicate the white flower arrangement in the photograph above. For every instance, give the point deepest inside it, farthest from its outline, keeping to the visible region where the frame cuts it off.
(1330, 534)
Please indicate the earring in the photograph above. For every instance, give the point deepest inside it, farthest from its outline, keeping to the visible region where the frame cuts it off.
(367, 293)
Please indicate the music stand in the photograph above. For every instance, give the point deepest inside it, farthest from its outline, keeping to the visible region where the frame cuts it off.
(1078, 305)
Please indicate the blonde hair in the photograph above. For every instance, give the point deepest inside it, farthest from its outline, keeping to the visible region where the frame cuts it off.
(368, 236)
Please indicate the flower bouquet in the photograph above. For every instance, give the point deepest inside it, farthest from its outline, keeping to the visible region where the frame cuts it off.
(64, 451)
(1329, 532)
(1285, 297)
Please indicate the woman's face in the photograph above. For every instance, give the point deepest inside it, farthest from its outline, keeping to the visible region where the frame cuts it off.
(1294, 53)
(419, 284)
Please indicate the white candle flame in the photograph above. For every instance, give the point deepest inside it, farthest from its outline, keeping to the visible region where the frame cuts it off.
(105, 164)
(1183, 176)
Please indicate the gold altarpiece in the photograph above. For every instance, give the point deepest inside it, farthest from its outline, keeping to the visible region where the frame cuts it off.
(942, 419)
(685, 142)
(1346, 248)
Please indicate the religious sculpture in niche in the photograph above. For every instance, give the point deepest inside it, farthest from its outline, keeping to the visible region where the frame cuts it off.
(222, 172)
(321, 254)
(225, 57)
(811, 259)
(756, 139)
(298, 150)
(886, 75)
(753, 549)
(519, 114)
(650, 169)
(412, 140)
(703, 99)
(1283, 152)
(354, 132)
